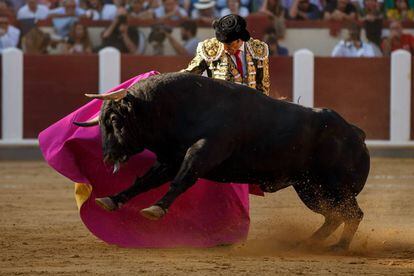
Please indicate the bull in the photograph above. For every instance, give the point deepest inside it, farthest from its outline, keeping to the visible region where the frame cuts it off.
(204, 128)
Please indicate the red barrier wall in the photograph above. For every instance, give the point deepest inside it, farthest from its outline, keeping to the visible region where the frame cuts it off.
(281, 77)
(54, 87)
(134, 65)
(358, 89)
(280, 68)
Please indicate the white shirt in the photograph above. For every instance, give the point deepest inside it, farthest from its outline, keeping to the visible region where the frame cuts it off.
(25, 13)
(108, 12)
(195, 14)
(62, 11)
(243, 12)
(242, 55)
(160, 12)
(223, 3)
(10, 38)
(347, 49)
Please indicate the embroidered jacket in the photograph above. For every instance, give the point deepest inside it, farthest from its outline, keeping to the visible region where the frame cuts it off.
(212, 57)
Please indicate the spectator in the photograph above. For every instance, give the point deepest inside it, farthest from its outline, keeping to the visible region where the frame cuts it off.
(304, 10)
(121, 36)
(340, 10)
(221, 4)
(170, 10)
(121, 6)
(205, 11)
(156, 39)
(372, 18)
(287, 4)
(137, 10)
(35, 42)
(353, 45)
(188, 34)
(9, 35)
(97, 10)
(33, 10)
(401, 11)
(275, 10)
(151, 4)
(6, 8)
(397, 40)
(78, 41)
(234, 7)
(274, 48)
(69, 9)
(16, 4)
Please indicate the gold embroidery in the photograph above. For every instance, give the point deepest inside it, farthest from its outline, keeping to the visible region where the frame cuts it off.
(212, 57)
(258, 49)
(210, 49)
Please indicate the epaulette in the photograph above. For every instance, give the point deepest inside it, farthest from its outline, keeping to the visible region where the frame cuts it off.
(210, 49)
(258, 49)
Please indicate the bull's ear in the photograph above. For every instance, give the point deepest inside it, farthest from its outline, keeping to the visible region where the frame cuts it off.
(91, 122)
(115, 96)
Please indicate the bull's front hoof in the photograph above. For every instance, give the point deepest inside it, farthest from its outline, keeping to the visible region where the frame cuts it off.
(153, 213)
(107, 203)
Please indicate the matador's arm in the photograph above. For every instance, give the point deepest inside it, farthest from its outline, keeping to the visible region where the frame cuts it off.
(197, 65)
(263, 78)
(260, 52)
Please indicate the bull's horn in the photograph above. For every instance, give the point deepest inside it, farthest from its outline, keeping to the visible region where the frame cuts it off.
(117, 165)
(116, 95)
(91, 122)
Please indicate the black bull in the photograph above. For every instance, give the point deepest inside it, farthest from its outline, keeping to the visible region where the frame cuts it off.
(204, 128)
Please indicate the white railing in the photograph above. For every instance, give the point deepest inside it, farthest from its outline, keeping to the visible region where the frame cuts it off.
(303, 92)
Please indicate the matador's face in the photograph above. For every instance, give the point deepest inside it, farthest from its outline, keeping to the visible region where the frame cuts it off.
(233, 46)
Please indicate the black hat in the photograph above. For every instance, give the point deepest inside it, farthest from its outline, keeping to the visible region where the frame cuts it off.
(230, 28)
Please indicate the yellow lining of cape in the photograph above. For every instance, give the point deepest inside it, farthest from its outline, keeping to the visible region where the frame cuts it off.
(82, 193)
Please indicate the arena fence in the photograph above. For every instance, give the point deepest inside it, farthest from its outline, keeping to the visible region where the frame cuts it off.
(34, 94)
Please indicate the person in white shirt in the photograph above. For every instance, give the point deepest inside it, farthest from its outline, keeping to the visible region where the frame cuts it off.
(170, 10)
(9, 35)
(69, 9)
(234, 7)
(205, 11)
(33, 10)
(353, 45)
(188, 35)
(98, 11)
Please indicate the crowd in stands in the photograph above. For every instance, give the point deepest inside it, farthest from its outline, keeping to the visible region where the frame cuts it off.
(18, 23)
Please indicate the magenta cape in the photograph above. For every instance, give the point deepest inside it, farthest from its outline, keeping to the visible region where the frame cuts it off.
(208, 214)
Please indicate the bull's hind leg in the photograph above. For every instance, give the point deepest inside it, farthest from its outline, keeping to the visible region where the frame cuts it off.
(200, 158)
(311, 196)
(328, 227)
(352, 215)
(157, 175)
(336, 209)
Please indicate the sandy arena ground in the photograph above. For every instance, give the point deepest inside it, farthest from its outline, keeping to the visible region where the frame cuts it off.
(41, 232)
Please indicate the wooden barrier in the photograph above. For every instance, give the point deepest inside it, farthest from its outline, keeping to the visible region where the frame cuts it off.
(54, 87)
(280, 70)
(358, 89)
